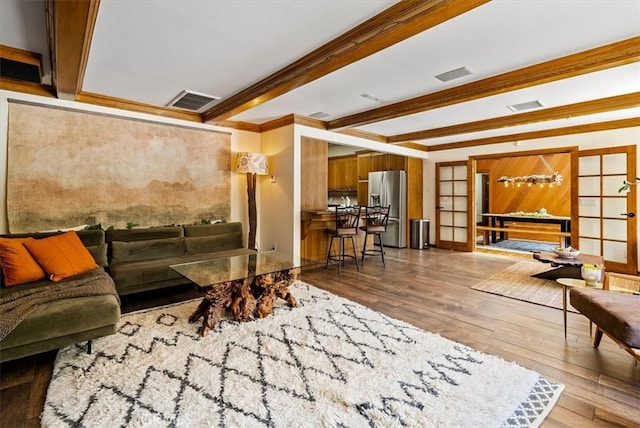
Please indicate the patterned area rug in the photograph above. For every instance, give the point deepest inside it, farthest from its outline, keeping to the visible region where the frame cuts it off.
(329, 363)
(516, 282)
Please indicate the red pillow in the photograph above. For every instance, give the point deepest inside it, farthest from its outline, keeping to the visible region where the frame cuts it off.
(18, 266)
(62, 255)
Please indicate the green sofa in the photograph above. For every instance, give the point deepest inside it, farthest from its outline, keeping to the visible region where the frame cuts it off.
(139, 259)
(133, 260)
(64, 322)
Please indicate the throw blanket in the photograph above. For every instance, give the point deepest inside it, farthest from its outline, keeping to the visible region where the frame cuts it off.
(15, 307)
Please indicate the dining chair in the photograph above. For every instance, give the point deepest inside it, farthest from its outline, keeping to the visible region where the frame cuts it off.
(345, 227)
(376, 219)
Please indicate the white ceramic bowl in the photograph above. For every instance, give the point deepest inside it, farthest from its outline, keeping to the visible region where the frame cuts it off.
(566, 253)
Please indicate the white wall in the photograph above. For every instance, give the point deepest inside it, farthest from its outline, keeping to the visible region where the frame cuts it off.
(241, 141)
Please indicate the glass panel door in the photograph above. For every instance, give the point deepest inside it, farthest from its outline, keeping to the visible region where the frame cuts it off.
(452, 206)
(608, 225)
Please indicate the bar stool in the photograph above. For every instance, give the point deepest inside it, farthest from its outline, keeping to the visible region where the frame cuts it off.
(376, 219)
(346, 226)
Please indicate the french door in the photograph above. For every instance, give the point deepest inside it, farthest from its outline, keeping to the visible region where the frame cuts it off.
(608, 222)
(453, 216)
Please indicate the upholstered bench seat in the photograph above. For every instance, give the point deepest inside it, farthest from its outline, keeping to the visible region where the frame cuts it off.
(617, 314)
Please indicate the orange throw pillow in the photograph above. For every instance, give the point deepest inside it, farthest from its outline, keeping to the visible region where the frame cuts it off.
(62, 255)
(18, 266)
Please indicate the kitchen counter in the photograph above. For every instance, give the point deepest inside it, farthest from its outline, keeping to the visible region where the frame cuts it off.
(314, 241)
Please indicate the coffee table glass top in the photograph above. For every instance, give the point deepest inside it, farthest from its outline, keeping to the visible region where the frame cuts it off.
(214, 271)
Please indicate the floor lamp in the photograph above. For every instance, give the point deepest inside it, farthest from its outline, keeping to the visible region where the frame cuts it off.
(253, 164)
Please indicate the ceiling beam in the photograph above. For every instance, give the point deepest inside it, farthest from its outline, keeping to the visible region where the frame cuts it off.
(602, 105)
(71, 24)
(546, 133)
(395, 24)
(597, 59)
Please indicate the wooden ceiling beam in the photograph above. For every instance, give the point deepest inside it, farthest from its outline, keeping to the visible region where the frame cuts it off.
(546, 133)
(597, 59)
(71, 24)
(395, 24)
(602, 105)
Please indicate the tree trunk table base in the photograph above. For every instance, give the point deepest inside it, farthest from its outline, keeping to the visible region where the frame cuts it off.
(242, 297)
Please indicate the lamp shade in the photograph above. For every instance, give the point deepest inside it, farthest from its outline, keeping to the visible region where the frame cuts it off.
(255, 163)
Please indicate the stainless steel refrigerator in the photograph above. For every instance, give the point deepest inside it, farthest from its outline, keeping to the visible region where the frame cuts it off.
(390, 188)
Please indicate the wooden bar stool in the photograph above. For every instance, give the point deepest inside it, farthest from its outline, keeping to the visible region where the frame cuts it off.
(376, 219)
(345, 227)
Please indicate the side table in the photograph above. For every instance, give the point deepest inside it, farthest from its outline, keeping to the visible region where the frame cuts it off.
(571, 282)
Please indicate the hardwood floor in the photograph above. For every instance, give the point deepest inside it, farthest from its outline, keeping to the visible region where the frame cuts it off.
(431, 289)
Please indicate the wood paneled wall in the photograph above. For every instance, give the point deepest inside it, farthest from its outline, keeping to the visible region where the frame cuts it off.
(556, 200)
(314, 177)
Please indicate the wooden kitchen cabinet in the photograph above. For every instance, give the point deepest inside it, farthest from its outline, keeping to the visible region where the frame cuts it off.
(364, 166)
(380, 162)
(385, 162)
(397, 162)
(342, 173)
(352, 171)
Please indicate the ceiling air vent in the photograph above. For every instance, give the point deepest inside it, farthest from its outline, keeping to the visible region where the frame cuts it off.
(525, 106)
(319, 115)
(192, 101)
(453, 74)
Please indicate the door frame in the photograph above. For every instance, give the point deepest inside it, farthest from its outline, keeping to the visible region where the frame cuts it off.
(571, 150)
(469, 245)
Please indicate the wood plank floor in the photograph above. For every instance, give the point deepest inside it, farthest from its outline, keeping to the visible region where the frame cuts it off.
(431, 289)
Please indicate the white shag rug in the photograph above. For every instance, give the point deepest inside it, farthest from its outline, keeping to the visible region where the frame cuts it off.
(329, 363)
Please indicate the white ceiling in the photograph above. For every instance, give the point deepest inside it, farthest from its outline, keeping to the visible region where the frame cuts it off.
(149, 51)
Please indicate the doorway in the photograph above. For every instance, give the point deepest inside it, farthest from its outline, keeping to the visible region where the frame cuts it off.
(482, 206)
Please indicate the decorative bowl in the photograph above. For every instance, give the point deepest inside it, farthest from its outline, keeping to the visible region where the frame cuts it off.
(566, 253)
(591, 276)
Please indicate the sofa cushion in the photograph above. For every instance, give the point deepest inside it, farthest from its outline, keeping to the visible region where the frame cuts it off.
(64, 317)
(88, 237)
(17, 264)
(61, 256)
(92, 237)
(147, 250)
(615, 313)
(99, 254)
(128, 276)
(196, 230)
(143, 234)
(210, 244)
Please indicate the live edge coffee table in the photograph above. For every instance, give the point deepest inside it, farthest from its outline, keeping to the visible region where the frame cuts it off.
(242, 284)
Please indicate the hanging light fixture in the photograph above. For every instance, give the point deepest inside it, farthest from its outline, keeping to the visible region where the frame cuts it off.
(541, 180)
